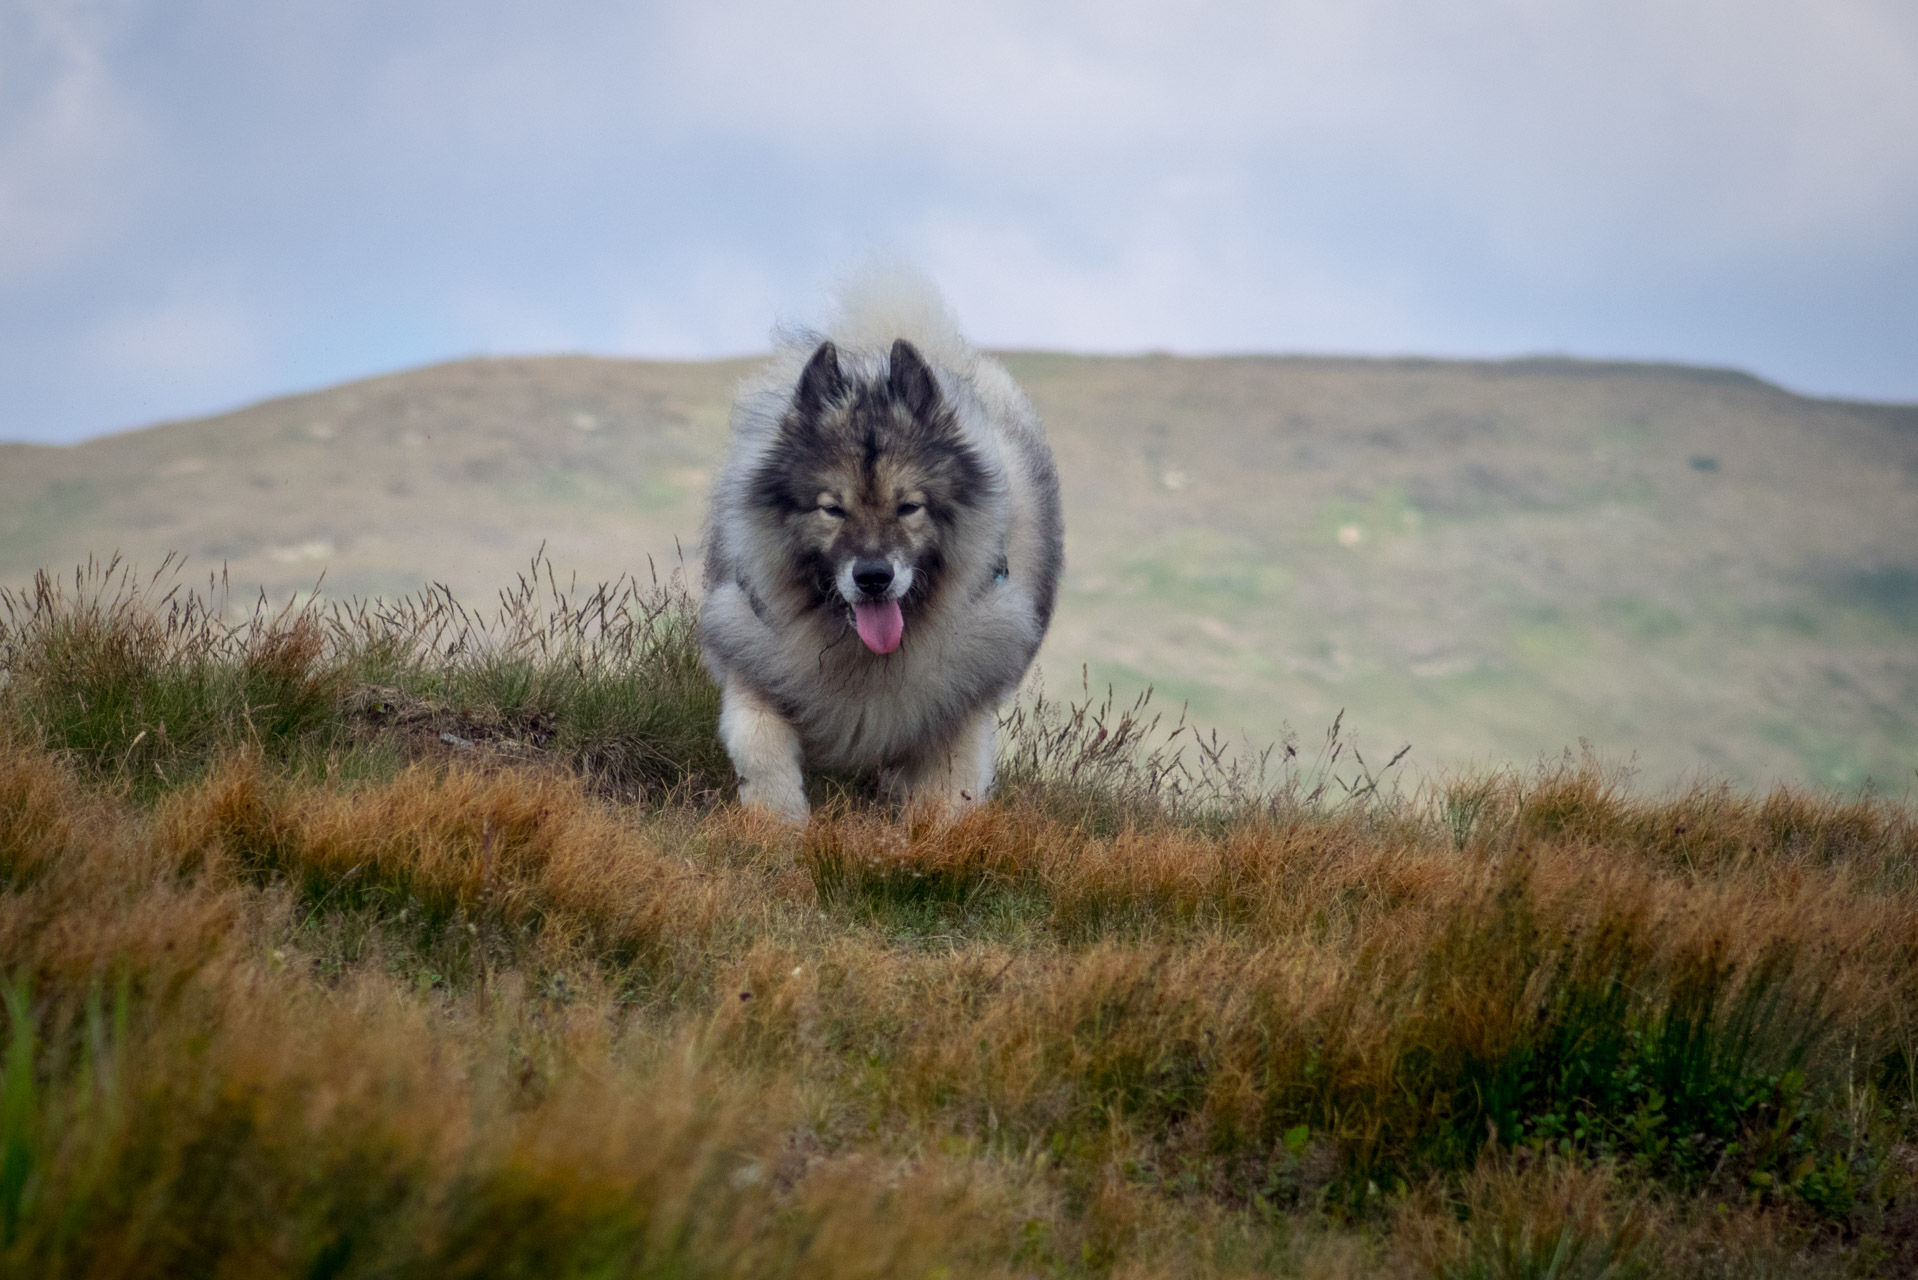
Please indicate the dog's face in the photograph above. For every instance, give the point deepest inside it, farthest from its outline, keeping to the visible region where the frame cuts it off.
(868, 483)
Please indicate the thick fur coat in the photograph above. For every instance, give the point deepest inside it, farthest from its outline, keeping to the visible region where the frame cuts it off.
(882, 556)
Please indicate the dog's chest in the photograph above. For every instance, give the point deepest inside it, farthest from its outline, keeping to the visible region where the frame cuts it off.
(859, 713)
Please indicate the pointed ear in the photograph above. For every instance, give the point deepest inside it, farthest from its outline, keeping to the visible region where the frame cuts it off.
(822, 383)
(911, 381)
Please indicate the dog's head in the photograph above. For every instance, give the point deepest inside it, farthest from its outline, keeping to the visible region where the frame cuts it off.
(870, 482)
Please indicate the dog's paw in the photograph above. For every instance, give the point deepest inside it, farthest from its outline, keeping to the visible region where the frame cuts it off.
(785, 802)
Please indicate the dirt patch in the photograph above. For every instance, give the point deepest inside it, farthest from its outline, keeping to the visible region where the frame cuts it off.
(426, 728)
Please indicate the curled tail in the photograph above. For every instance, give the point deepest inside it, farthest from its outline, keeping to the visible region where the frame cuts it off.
(884, 300)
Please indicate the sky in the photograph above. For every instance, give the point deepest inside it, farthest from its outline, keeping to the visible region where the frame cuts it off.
(208, 202)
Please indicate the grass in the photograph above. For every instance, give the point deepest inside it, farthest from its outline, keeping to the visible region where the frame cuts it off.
(151, 685)
(361, 940)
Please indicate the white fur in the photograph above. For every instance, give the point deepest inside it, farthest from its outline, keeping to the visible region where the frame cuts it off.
(901, 582)
(884, 300)
(765, 751)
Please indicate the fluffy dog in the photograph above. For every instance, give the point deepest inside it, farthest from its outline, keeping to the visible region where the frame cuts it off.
(882, 555)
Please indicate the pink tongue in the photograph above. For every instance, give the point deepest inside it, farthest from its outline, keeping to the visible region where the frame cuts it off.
(880, 625)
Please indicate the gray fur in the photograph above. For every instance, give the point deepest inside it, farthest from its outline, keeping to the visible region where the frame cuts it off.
(800, 688)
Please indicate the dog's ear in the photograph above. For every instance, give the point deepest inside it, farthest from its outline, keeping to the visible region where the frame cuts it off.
(822, 383)
(911, 381)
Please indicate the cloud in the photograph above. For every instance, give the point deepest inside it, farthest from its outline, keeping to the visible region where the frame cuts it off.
(74, 147)
(1238, 288)
(194, 338)
(715, 304)
(372, 185)
(1709, 130)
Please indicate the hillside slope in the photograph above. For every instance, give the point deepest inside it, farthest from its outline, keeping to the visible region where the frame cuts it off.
(1485, 560)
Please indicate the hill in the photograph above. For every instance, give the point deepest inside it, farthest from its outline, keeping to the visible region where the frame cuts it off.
(1688, 568)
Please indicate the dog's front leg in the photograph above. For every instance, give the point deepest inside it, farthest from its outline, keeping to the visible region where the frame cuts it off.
(765, 750)
(957, 775)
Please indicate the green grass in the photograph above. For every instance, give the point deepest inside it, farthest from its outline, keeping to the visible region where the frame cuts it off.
(1643, 619)
(298, 987)
(1891, 592)
(143, 682)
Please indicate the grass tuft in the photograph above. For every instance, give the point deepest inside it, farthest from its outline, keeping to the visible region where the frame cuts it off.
(146, 683)
(302, 987)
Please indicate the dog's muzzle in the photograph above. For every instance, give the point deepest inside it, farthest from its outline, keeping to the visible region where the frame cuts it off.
(873, 585)
(873, 577)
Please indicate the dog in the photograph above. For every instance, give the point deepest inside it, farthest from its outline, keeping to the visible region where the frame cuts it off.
(882, 556)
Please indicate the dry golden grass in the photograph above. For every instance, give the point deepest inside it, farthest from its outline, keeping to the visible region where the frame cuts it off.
(479, 1020)
(297, 1003)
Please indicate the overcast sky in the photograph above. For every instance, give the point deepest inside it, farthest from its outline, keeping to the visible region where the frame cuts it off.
(204, 202)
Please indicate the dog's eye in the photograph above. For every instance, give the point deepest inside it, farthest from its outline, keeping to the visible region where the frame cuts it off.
(908, 508)
(837, 513)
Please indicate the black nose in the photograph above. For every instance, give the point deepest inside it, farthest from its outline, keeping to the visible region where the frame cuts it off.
(872, 576)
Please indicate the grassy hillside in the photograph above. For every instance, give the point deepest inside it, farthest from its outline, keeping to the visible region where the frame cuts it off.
(396, 941)
(1688, 569)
